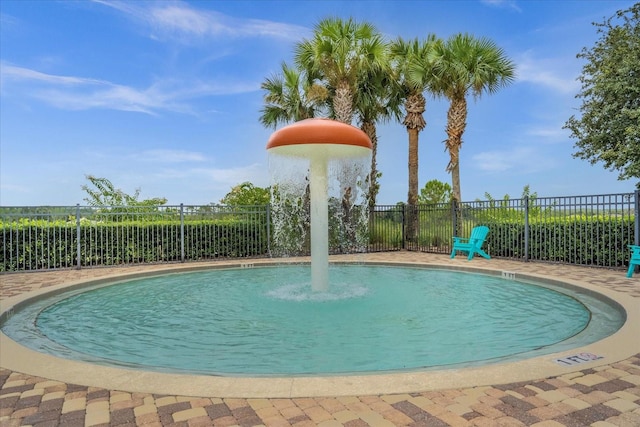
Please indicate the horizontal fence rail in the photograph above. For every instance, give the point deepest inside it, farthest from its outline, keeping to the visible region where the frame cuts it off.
(582, 230)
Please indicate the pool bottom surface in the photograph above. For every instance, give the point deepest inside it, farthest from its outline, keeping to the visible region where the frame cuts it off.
(403, 318)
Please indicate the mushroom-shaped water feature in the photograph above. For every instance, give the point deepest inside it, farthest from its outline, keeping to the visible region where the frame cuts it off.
(319, 141)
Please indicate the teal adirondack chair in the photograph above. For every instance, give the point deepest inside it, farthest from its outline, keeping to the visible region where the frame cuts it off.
(472, 245)
(635, 259)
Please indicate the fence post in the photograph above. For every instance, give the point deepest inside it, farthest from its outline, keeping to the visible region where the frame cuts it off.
(454, 218)
(636, 232)
(181, 232)
(78, 251)
(404, 220)
(268, 212)
(526, 228)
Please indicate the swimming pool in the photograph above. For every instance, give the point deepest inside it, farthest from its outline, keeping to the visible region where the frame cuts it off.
(264, 321)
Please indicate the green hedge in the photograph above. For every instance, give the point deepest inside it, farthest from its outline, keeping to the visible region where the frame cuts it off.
(580, 241)
(33, 245)
(37, 245)
(42, 244)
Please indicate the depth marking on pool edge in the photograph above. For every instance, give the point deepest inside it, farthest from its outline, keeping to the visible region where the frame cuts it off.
(509, 275)
(577, 358)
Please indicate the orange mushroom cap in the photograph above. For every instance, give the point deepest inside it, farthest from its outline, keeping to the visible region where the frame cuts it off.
(319, 131)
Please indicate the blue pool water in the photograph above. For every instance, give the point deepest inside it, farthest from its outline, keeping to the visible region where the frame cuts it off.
(267, 321)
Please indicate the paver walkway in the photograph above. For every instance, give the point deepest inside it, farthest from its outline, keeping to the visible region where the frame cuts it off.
(605, 396)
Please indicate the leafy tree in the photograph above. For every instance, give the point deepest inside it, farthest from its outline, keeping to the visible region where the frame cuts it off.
(464, 65)
(526, 192)
(247, 194)
(104, 194)
(510, 211)
(435, 191)
(609, 127)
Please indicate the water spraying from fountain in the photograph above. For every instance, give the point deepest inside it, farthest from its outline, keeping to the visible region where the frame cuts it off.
(331, 155)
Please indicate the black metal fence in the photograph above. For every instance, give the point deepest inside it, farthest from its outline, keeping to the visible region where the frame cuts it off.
(589, 230)
(80, 236)
(583, 230)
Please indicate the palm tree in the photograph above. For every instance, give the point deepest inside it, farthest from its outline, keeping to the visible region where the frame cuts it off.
(461, 66)
(339, 53)
(407, 56)
(376, 100)
(351, 60)
(289, 98)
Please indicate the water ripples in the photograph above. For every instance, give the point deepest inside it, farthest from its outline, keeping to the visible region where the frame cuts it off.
(267, 321)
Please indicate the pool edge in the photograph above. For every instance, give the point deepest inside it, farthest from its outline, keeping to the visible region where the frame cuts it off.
(613, 349)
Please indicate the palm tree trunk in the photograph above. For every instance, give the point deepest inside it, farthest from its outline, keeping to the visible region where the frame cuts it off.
(370, 129)
(343, 110)
(456, 124)
(412, 197)
(411, 231)
(343, 103)
(455, 183)
(414, 121)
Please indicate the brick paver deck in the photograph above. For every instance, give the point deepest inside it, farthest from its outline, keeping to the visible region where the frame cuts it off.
(608, 395)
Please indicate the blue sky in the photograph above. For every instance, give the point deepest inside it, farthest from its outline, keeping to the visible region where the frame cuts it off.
(165, 96)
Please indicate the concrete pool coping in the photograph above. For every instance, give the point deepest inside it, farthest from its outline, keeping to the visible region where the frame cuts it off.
(619, 346)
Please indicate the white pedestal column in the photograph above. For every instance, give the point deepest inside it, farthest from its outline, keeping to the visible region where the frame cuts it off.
(318, 192)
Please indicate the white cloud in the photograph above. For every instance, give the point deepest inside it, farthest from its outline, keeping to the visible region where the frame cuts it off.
(8, 21)
(181, 19)
(19, 73)
(519, 159)
(15, 188)
(229, 177)
(216, 177)
(549, 135)
(493, 161)
(177, 20)
(80, 93)
(508, 4)
(170, 156)
(548, 72)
